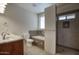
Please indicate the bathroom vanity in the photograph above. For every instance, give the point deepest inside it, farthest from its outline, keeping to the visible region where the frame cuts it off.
(12, 45)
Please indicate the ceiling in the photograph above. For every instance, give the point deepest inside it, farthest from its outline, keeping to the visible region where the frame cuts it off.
(34, 7)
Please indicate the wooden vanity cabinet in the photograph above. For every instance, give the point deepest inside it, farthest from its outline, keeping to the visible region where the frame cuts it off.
(17, 48)
(12, 48)
(5, 49)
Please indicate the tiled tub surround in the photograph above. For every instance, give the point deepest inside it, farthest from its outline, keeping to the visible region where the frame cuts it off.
(38, 37)
(36, 33)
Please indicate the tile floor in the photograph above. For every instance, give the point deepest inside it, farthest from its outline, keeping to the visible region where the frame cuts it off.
(35, 51)
(38, 51)
(66, 51)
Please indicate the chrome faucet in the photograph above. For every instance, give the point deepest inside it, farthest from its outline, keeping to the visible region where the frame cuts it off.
(3, 35)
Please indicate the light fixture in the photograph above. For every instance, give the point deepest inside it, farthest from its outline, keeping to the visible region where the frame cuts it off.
(2, 7)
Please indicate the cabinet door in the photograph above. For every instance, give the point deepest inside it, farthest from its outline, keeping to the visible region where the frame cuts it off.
(5, 49)
(17, 48)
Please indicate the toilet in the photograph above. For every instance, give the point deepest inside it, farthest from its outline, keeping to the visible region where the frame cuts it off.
(28, 41)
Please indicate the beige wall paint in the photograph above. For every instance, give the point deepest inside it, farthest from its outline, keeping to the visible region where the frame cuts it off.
(66, 7)
(69, 36)
(21, 19)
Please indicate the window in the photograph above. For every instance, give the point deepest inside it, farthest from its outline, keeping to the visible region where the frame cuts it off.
(62, 17)
(67, 17)
(71, 16)
(41, 21)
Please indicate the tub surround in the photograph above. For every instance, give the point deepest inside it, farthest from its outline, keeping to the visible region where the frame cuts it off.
(38, 41)
(38, 38)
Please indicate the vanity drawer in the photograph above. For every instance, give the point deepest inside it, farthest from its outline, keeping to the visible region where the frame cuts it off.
(17, 48)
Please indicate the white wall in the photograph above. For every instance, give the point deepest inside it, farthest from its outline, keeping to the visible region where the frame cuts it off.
(10, 26)
(5, 27)
(20, 20)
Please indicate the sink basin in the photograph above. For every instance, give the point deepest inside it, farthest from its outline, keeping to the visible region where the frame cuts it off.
(9, 38)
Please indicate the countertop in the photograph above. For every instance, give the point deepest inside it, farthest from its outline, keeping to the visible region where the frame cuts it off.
(10, 38)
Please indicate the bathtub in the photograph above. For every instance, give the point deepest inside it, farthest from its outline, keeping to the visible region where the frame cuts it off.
(39, 37)
(38, 41)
